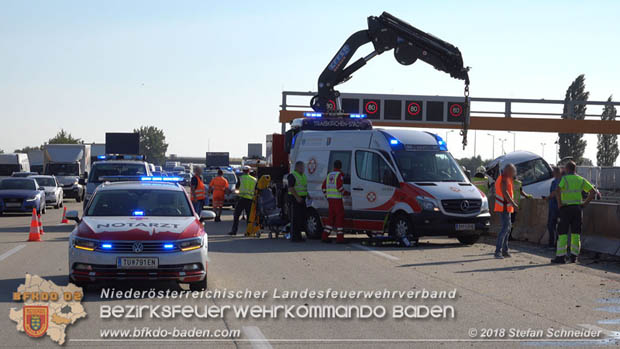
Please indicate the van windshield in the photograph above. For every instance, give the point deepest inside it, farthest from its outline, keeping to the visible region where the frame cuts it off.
(533, 171)
(428, 166)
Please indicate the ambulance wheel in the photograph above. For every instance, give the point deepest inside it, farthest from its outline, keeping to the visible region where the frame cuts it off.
(314, 228)
(198, 286)
(400, 226)
(469, 239)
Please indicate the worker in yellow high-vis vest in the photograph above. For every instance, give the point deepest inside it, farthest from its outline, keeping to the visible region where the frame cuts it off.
(571, 203)
(246, 194)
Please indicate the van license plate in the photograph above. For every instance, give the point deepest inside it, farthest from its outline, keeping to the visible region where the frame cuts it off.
(466, 226)
(137, 263)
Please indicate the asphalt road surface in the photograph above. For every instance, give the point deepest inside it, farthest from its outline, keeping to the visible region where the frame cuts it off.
(523, 292)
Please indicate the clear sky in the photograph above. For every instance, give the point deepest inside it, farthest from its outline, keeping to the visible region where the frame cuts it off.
(210, 73)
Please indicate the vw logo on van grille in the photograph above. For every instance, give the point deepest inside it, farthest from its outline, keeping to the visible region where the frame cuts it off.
(464, 205)
(137, 247)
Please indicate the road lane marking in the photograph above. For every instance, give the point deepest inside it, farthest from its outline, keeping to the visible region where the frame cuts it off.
(378, 253)
(608, 300)
(609, 309)
(11, 251)
(256, 337)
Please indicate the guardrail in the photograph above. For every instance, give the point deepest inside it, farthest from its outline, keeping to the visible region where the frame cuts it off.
(601, 225)
(605, 178)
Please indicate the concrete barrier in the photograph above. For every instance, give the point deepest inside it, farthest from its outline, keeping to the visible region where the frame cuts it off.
(601, 225)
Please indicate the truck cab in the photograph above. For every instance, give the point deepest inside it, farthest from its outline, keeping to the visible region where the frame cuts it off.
(10, 163)
(401, 182)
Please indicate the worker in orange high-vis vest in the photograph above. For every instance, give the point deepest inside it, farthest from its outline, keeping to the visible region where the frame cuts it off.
(218, 187)
(198, 190)
(333, 189)
(504, 205)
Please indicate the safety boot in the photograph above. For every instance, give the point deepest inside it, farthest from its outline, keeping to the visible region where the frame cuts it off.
(559, 260)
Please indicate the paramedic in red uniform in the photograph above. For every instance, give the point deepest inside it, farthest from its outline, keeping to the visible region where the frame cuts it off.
(333, 188)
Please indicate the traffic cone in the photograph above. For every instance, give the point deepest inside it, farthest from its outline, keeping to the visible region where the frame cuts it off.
(64, 216)
(34, 228)
(40, 224)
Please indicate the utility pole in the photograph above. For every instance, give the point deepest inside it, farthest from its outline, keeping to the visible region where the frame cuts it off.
(493, 144)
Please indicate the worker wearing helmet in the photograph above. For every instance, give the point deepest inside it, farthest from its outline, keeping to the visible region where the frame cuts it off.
(246, 195)
(218, 188)
(481, 180)
(333, 189)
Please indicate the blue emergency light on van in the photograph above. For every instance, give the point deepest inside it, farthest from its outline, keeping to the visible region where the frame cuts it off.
(442, 144)
(161, 179)
(313, 115)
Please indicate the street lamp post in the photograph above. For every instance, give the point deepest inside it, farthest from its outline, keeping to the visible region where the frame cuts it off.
(542, 144)
(514, 140)
(493, 144)
(503, 140)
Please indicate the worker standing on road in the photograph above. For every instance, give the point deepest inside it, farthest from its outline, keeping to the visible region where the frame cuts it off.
(218, 188)
(570, 200)
(246, 194)
(333, 188)
(298, 192)
(481, 180)
(505, 205)
(554, 211)
(198, 190)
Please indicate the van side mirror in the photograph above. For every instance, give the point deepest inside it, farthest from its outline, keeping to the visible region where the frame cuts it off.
(73, 216)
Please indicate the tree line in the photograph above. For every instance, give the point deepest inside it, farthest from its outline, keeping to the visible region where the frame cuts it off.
(152, 143)
(572, 144)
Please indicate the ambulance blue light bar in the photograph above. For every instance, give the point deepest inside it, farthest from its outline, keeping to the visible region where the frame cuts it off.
(394, 141)
(313, 115)
(320, 115)
(101, 157)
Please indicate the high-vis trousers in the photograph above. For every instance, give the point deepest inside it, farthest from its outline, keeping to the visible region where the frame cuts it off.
(570, 217)
(335, 220)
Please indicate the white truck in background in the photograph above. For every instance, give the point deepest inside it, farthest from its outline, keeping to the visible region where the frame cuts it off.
(14, 162)
(97, 152)
(35, 158)
(69, 163)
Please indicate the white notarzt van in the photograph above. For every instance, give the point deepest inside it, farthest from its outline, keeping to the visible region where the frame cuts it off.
(404, 182)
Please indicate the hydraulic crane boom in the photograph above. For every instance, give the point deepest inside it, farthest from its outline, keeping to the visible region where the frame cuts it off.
(387, 32)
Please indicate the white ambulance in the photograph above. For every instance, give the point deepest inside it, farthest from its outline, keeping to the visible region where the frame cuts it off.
(401, 182)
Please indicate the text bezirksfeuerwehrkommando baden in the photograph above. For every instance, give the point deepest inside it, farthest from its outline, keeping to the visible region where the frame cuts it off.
(278, 294)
